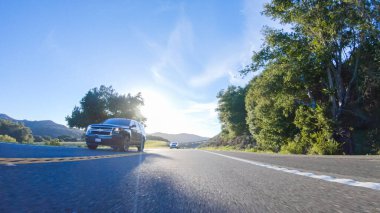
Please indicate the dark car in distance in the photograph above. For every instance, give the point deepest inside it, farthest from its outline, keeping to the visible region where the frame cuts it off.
(119, 133)
(174, 145)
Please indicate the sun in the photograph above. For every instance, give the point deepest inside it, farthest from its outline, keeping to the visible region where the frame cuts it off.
(172, 114)
(160, 111)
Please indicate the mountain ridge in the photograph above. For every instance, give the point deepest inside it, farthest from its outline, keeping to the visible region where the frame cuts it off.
(181, 137)
(46, 127)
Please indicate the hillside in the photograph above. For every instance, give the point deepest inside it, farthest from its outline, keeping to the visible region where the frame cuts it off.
(181, 138)
(46, 127)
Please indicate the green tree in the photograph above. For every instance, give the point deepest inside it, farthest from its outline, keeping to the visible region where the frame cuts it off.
(101, 103)
(18, 131)
(345, 38)
(270, 109)
(6, 138)
(331, 59)
(231, 111)
(340, 33)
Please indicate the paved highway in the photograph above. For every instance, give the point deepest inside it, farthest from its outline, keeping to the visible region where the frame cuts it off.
(58, 179)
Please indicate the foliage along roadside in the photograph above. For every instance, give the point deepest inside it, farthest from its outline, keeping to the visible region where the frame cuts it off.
(156, 144)
(7, 138)
(16, 130)
(317, 87)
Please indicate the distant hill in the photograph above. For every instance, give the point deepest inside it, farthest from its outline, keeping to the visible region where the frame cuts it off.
(181, 138)
(46, 128)
(155, 138)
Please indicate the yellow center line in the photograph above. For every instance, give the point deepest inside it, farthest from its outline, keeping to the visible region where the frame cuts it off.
(61, 159)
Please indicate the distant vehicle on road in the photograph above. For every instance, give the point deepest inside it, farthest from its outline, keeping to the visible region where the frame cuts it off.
(119, 133)
(174, 145)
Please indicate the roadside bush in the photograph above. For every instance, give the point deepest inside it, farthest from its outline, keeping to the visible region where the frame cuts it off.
(7, 138)
(16, 130)
(373, 140)
(66, 138)
(54, 142)
(292, 147)
(324, 146)
(316, 132)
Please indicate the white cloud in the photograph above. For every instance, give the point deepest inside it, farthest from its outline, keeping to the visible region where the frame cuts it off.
(51, 44)
(232, 60)
(226, 66)
(180, 42)
(170, 70)
(212, 72)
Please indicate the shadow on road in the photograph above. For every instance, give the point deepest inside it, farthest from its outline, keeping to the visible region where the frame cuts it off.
(106, 185)
(14, 150)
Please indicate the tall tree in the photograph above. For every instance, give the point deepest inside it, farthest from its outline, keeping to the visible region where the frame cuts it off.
(101, 103)
(340, 34)
(331, 60)
(231, 110)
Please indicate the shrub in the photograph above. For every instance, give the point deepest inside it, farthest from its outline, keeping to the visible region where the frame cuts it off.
(54, 142)
(7, 138)
(16, 130)
(292, 147)
(316, 131)
(324, 147)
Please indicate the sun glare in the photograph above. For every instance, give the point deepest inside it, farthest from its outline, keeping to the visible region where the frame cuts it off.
(173, 115)
(161, 112)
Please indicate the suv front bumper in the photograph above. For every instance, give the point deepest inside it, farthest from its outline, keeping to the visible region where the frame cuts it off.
(107, 140)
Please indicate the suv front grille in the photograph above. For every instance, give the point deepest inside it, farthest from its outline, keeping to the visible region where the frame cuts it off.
(96, 132)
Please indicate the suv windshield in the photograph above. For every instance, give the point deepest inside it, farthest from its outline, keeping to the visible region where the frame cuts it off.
(115, 121)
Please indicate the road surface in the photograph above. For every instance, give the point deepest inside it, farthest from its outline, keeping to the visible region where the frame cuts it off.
(59, 179)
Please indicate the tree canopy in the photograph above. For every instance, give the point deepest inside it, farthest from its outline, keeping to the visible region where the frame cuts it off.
(317, 88)
(102, 103)
(15, 130)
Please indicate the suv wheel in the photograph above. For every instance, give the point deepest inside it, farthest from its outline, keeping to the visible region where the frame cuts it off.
(92, 146)
(125, 145)
(141, 147)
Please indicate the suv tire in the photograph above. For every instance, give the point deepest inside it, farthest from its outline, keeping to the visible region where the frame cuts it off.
(141, 147)
(124, 147)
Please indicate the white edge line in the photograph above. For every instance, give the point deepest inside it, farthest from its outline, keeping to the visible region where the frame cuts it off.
(350, 182)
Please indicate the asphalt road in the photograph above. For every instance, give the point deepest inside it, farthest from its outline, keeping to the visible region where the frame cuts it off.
(178, 181)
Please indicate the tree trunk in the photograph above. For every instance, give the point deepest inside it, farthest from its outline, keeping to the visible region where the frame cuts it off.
(340, 90)
(332, 96)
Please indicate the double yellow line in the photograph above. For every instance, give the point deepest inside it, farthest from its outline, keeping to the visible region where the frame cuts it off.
(14, 161)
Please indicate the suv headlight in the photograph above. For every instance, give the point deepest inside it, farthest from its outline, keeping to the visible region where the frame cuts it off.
(88, 131)
(116, 130)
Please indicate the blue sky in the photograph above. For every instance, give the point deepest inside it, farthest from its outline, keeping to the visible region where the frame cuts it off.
(179, 54)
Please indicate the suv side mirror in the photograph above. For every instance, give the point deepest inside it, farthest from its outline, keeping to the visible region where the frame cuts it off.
(133, 126)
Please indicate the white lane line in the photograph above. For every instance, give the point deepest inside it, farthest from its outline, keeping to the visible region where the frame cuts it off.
(350, 182)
